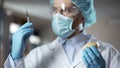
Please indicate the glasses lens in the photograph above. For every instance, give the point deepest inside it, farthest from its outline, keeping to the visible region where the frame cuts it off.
(64, 9)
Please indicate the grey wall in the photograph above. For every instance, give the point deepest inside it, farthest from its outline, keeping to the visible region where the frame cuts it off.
(107, 27)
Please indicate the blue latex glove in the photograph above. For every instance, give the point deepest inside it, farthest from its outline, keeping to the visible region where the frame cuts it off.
(92, 58)
(19, 40)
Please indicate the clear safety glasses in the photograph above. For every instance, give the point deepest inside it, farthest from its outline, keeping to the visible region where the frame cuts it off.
(66, 10)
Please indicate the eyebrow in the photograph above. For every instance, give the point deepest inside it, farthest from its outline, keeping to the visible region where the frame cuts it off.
(65, 6)
(54, 4)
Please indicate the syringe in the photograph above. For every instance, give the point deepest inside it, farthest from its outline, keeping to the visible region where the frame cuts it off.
(28, 18)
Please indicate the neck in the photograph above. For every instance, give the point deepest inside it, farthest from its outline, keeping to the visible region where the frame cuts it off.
(75, 33)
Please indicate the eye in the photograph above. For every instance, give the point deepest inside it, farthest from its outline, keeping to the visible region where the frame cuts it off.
(66, 11)
(54, 10)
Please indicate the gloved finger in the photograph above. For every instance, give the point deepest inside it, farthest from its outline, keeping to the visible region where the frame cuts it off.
(85, 61)
(21, 32)
(26, 35)
(27, 31)
(92, 55)
(26, 25)
(97, 53)
(87, 56)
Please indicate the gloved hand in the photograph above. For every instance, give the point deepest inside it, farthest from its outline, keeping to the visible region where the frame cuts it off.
(19, 40)
(92, 58)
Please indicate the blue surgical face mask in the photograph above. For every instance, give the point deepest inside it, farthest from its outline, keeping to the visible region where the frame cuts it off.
(62, 25)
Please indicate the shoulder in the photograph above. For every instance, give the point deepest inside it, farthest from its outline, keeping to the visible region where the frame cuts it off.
(107, 50)
(44, 49)
(103, 45)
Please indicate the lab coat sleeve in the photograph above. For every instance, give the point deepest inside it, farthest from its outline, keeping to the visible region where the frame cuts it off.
(10, 63)
(115, 58)
(32, 60)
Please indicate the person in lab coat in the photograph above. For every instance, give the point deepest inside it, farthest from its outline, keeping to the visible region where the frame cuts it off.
(70, 19)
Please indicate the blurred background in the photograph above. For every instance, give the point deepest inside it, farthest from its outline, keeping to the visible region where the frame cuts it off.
(13, 15)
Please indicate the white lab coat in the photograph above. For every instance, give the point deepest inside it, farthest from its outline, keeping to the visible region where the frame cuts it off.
(52, 55)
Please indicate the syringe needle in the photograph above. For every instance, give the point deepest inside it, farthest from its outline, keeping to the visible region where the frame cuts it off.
(28, 18)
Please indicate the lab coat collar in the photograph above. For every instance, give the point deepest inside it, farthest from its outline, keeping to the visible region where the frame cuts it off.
(78, 38)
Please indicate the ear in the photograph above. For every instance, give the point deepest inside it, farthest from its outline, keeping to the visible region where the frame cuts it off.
(82, 19)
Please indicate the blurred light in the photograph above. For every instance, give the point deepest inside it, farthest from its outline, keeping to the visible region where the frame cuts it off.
(35, 40)
(9, 12)
(13, 27)
(63, 6)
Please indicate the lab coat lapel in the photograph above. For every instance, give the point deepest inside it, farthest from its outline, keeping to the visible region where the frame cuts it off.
(59, 54)
(78, 59)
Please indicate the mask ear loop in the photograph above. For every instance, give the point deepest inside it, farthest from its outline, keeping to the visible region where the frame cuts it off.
(84, 28)
(81, 26)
